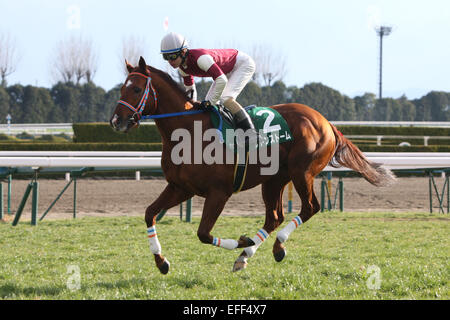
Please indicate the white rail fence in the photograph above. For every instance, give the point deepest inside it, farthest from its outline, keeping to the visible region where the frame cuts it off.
(66, 161)
(380, 137)
(62, 159)
(66, 128)
(37, 128)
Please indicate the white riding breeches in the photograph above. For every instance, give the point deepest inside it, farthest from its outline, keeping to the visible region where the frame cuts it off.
(238, 78)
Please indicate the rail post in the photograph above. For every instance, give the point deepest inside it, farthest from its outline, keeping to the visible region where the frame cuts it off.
(75, 175)
(447, 181)
(189, 210)
(160, 215)
(323, 185)
(57, 198)
(329, 177)
(290, 197)
(74, 197)
(430, 192)
(1, 200)
(22, 204)
(34, 201)
(9, 193)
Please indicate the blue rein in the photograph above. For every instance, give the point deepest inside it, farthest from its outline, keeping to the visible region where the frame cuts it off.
(185, 113)
(174, 114)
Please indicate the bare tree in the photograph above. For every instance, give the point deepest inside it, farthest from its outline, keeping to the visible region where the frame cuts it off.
(88, 61)
(74, 60)
(9, 57)
(270, 65)
(132, 48)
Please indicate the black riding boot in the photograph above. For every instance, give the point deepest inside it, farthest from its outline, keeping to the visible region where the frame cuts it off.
(243, 121)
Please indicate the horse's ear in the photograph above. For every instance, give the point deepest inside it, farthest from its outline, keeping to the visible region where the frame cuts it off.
(143, 65)
(129, 66)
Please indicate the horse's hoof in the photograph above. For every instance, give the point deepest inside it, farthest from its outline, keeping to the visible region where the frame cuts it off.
(239, 264)
(164, 268)
(245, 242)
(279, 256)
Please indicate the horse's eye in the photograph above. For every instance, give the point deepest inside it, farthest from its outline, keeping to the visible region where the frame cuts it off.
(137, 90)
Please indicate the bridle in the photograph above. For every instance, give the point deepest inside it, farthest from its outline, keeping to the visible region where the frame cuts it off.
(141, 106)
(137, 115)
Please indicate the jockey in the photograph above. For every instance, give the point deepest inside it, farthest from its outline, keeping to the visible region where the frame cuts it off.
(229, 68)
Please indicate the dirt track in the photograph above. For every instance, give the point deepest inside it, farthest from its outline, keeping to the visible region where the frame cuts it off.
(131, 197)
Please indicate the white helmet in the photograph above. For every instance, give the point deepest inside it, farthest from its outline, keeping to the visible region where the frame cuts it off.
(173, 42)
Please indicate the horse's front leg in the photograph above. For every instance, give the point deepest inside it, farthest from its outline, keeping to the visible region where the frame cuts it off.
(170, 197)
(214, 204)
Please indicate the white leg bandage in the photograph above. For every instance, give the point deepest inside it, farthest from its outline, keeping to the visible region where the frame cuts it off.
(229, 244)
(155, 247)
(283, 235)
(259, 238)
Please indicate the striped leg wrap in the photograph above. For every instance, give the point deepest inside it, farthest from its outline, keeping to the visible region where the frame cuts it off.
(229, 244)
(259, 238)
(155, 247)
(283, 235)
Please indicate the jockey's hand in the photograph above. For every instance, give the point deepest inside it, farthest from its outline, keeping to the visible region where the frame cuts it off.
(190, 93)
(205, 104)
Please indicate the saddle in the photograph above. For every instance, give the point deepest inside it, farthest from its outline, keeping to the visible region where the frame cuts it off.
(240, 169)
(268, 121)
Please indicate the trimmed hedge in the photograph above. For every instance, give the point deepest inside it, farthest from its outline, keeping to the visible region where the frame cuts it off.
(80, 146)
(398, 131)
(26, 146)
(102, 132)
(101, 137)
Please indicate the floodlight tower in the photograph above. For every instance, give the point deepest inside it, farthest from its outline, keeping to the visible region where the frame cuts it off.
(381, 32)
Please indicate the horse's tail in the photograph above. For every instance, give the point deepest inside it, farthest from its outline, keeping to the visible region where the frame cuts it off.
(348, 155)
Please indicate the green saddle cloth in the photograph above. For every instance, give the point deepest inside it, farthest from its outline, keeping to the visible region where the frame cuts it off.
(268, 122)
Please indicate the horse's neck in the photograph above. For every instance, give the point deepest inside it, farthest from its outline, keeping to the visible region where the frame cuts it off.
(171, 102)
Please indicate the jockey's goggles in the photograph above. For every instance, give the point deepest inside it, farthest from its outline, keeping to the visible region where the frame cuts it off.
(171, 56)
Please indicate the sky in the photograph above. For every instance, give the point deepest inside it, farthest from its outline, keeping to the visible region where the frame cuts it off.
(327, 41)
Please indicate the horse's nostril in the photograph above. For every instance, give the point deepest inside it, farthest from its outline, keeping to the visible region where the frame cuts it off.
(115, 121)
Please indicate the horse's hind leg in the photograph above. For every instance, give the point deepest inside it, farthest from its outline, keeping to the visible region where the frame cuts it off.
(272, 192)
(304, 184)
(170, 197)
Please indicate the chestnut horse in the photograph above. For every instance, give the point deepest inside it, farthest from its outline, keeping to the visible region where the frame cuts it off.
(316, 142)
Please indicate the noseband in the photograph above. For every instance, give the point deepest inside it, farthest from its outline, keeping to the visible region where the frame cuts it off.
(141, 106)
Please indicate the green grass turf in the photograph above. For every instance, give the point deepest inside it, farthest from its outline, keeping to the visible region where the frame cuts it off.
(332, 256)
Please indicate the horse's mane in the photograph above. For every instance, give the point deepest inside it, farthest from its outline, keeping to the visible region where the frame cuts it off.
(172, 83)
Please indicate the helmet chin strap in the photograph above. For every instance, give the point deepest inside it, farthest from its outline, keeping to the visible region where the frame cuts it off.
(184, 56)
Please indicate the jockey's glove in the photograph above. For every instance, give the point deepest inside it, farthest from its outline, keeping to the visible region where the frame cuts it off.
(205, 104)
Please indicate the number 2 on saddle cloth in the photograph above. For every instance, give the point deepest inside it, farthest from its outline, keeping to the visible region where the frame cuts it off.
(270, 125)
